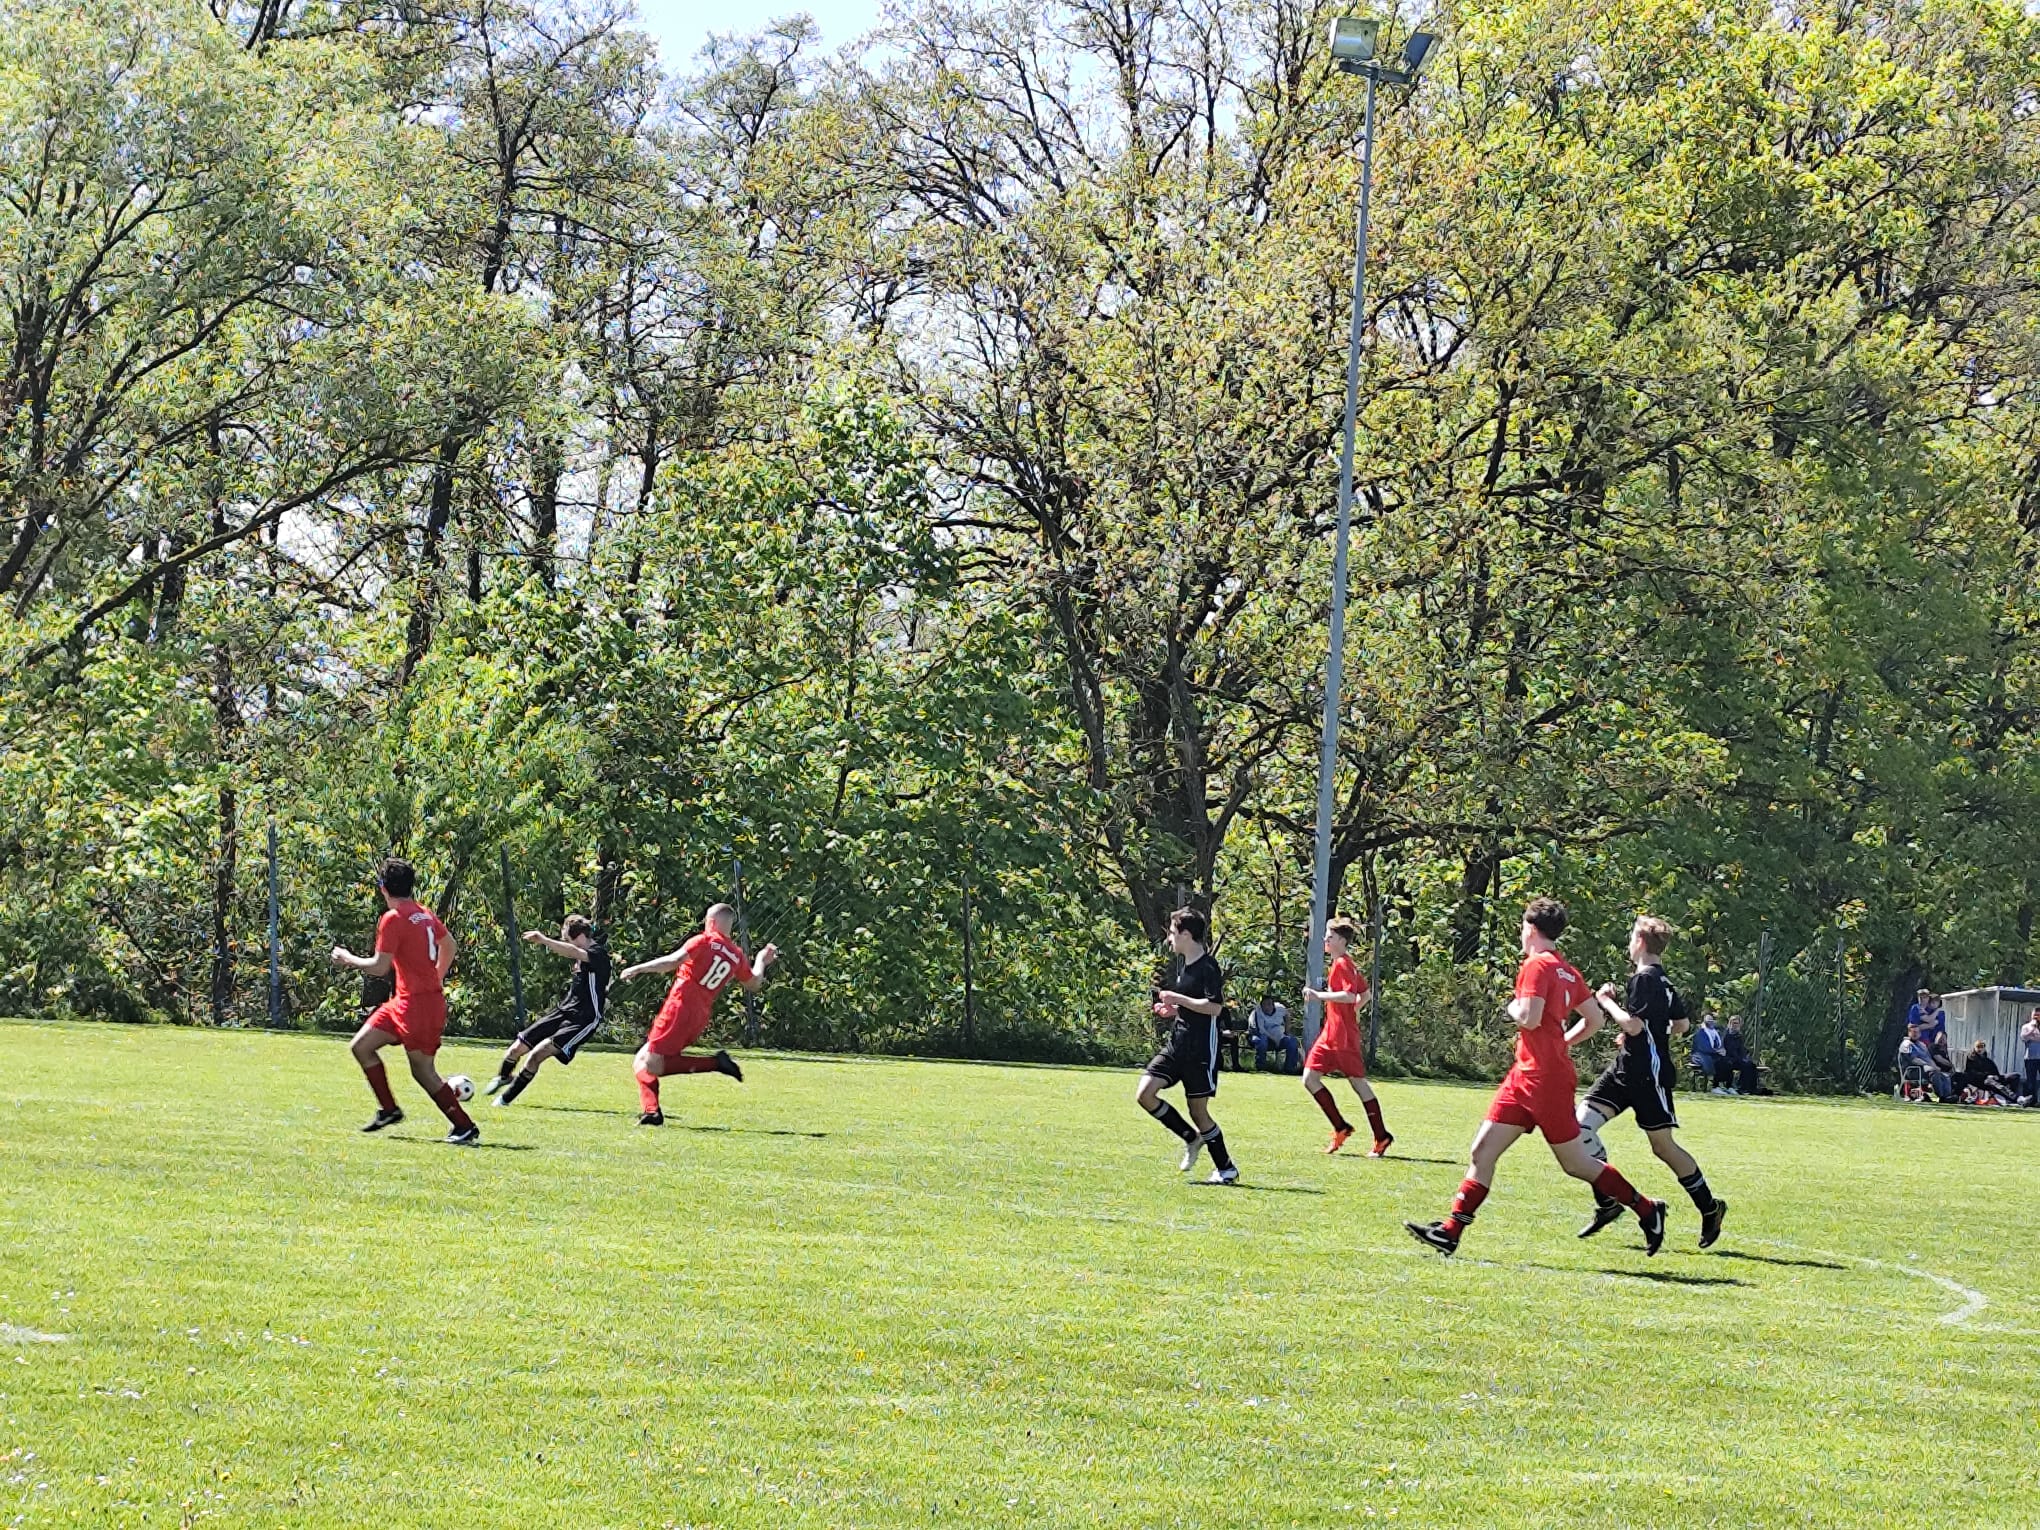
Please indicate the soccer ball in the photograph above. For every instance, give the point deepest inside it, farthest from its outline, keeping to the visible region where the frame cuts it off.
(462, 1086)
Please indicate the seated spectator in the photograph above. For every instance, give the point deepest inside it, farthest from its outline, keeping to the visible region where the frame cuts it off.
(1916, 1056)
(1937, 1048)
(1740, 1063)
(1981, 1074)
(1709, 1054)
(1228, 1038)
(2029, 1041)
(1268, 1030)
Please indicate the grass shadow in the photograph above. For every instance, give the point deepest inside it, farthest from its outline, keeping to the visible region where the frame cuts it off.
(1802, 1264)
(1667, 1278)
(1450, 1163)
(493, 1147)
(1205, 1184)
(747, 1131)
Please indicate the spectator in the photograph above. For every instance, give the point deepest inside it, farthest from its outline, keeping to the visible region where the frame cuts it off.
(2029, 1039)
(1708, 1054)
(1937, 1048)
(1268, 1029)
(1738, 1061)
(1914, 1053)
(1980, 1073)
(1928, 1014)
(1228, 1037)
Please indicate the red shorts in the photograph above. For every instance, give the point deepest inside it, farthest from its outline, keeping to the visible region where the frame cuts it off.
(1537, 1105)
(418, 1022)
(1326, 1058)
(673, 1033)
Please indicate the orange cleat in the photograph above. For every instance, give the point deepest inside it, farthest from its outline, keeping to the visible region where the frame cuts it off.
(1339, 1139)
(1381, 1148)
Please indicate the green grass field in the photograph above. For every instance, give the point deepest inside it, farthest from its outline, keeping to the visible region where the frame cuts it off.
(854, 1292)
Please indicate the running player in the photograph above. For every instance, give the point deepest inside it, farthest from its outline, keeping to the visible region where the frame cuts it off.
(703, 967)
(561, 1030)
(1337, 1049)
(1537, 1095)
(1190, 1056)
(1642, 1075)
(412, 944)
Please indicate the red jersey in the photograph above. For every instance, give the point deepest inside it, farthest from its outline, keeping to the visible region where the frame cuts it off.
(413, 936)
(1541, 1051)
(707, 963)
(1341, 1032)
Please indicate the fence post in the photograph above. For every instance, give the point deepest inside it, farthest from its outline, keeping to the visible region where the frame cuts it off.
(1841, 1014)
(1763, 977)
(969, 998)
(1374, 988)
(744, 940)
(510, 935)
(275, 953)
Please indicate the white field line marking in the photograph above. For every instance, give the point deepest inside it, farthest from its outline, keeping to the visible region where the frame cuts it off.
(1973, 1301)
(9, 1334)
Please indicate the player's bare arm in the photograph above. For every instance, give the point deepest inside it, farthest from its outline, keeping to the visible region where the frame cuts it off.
(1631, 1026)
(670, 962)
(563, 948)
(376, 965)
(1528, 1013)
(1591, 1018)
(1184, 1001)
(767, 955)
(449, 948)
(1327, 996)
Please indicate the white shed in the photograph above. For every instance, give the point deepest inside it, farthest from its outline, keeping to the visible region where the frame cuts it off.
(1995, 1014)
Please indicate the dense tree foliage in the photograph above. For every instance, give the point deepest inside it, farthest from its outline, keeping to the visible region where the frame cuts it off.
(909, 475)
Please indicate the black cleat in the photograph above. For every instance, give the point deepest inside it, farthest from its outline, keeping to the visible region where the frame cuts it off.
(1434, 1235)
(652, 1118)
(724, 1063)
(1710, 1224)
(1604, 1216)
(465, 1136)
(384, 1118)
(1653, 1224)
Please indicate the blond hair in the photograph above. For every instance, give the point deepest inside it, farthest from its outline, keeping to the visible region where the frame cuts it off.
(1654, 933)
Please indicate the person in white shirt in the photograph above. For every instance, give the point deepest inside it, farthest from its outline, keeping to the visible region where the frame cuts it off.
(1268, 1028)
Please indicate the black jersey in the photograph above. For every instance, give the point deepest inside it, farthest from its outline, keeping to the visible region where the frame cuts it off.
(1647, 1056)
(588, 986)
(1200, 979)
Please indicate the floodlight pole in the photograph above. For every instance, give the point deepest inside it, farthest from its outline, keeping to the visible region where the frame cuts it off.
(1335, 654)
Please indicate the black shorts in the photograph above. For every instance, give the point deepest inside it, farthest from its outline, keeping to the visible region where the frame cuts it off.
(1637, 1089)
(1184, 1061)
(566, 1029)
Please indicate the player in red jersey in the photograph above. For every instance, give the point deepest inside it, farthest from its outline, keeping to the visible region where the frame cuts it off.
(1537, 1095)
(412, 943)
(1337, 1049)
(703, 968)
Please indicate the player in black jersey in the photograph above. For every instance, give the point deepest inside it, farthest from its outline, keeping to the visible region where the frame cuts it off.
(561, 1030)
(1641, 1077)
(1190, 1056)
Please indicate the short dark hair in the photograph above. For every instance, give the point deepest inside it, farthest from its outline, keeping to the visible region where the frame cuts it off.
(1345, 929)
(398, 878)
(1547, 916)
(1190, 922)
(576, 926)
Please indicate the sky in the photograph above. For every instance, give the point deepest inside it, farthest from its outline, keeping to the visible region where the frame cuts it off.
(682, 26)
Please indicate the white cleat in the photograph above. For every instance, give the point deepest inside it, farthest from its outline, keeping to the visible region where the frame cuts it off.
(1224, 1176)
(1192, 1151)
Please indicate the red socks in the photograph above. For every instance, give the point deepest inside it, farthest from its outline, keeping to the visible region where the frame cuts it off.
(450, 1108)
(379, 1081)
(648, 1091)
(1330, 1107)
(1609, 1182)
(1471, 1193)
(1373, 1108)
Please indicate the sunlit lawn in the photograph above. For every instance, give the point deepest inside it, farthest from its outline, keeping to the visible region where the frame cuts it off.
(869, 1292)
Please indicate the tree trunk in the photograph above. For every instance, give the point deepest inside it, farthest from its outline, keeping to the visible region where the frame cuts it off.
(226, 717)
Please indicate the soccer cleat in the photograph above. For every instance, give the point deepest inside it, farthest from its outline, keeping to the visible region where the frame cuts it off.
(652, 1118)
(1604, 1216)
(1653, 1224)
(1192, 1150)
(465, 1136)
(1382, 1146)
(1339, 1137)
(724, 1063)
(497, 1082)
(384, 1118)
(1710, 1224)
(1434, 1235)
(1230, 1175)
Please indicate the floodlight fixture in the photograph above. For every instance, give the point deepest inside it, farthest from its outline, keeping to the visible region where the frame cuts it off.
(1353, 39)
(1415, 50)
